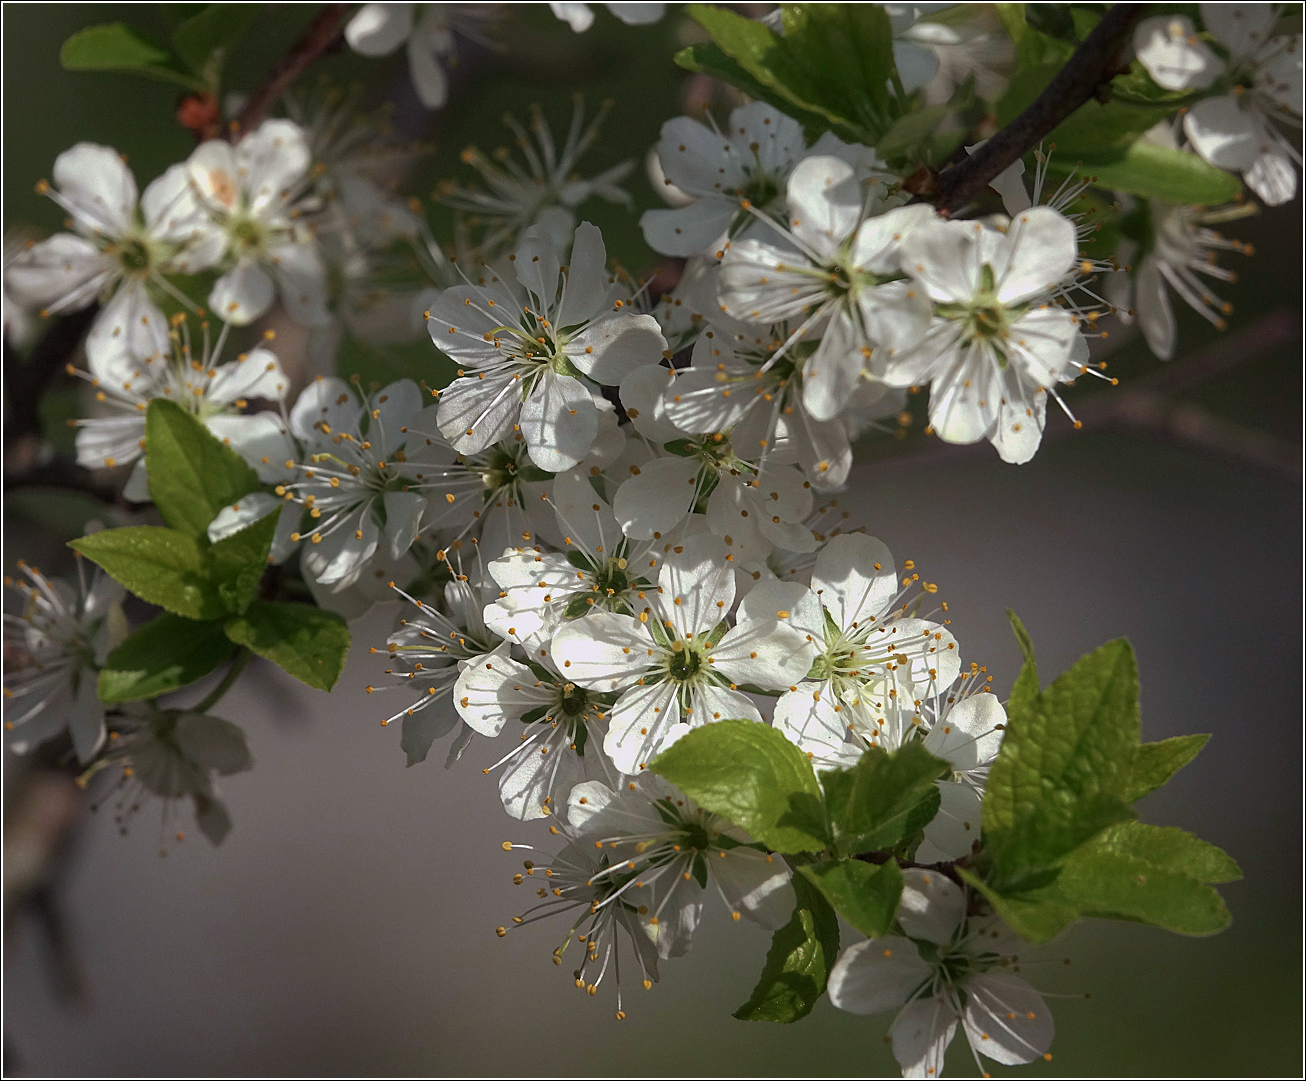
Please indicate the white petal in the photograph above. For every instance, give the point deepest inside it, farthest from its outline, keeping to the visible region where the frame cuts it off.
(137, 488)
(879, 239)
(110, 439)
(339, 557)
(1271, 175)
(698, 160)
(131, 328)
(639, 724)
(403, 521)
(393, 409)
(603, 651)
(932, 906)
(921, 1034)
(970, 733)
(558, 421)
(98, 186)
(493, 689)
(379, 29)
(1040, 247)
(806, 717)
(952, 832)
(586, 286)
(1155, 316)
(242, 294)
(877, 975)
(824, 203)
(256, 374)
(537, 268)
(302, 276)
(328, 401)
(710, 703)
(637, 14)
(1242, 28)
(696, 586)
(586, 800)
(756, 885)
(1006, 1019)
(613, 346)
(832, 373)
(86, 717)
(646, 394)
(699, 228)
(583, 515)
(244, 512)
(1222, 133)
(172, 211)
(578, 16)
(62, 272)
(855, 579)
(916, 65)
(1168, 47)
(790, 602)
(938, 254)
(271, 160)
(427, 72)
(475, 413)
(531, 777)
(656, 499)
(766, 653)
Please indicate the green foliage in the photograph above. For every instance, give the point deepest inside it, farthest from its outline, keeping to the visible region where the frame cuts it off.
(753, 776)
(164, 655)
(115, 47)
(799, 961)
(1160, 172)
(239, 560)
(192, 474)
(307, 642)
(1063, 773)
(162, 566)
(1156, 763)
(831, 70)
(202, 40)
(1059, 840)
(882, 801)
(862, 893)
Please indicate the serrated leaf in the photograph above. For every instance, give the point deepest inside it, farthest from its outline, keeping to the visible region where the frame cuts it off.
(1063, 772)
(205, 39)
(1156, 763)
(165, 654)
(798, 963)
(309, 643)
(1167, 849)
(239, 561)
(883, 799)
(751, 775)
(115, 47)
(862, 893)
(161, 566)
(192, 474)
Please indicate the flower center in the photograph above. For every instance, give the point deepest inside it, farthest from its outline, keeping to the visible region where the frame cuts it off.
(133, 256)
(248, 234)
(684, 663)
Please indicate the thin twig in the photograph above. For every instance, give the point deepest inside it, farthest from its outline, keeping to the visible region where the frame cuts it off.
(321, 34)
(1096, 61)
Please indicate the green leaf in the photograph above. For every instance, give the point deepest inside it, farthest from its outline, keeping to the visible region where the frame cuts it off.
(1023, 639)
(862, 893)
(1159, 172)
(205, 39)
(1156, 763)
(1063, 772)
(1036, 919)
(165, 654)
(192, 474)
(799, 961)
(751, 775)
(905, 138)
(1167, 849)
(239, 561)
(115, 47)
(307, 642)
(884, 799)
(161, 566)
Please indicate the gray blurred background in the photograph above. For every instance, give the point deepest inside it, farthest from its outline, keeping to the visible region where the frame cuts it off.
(347, 924)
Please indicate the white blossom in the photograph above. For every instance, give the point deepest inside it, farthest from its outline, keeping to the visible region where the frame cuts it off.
(55, 644)
(250, 191)
(532, 355)
(997, 344)
(580, 17)
(121, 251)
(946, 967)
(675, 664)
(678, 852)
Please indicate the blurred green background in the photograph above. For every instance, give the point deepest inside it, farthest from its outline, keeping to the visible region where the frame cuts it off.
(346, 926)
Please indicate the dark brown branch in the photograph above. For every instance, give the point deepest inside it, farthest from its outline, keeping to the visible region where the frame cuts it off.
(321, 34)
(1096, 61)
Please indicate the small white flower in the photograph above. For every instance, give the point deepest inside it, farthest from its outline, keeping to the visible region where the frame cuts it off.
(676, 664)
(580, 17)
(1261, 83)
(836, 275)
(118, 252)
(428, 30)
(191, 375)
(250, 190)
(545, 192)
(54, 647)
(945, 967)
(560, 738)
(997, 345)
(676, 850)
(530, 354)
